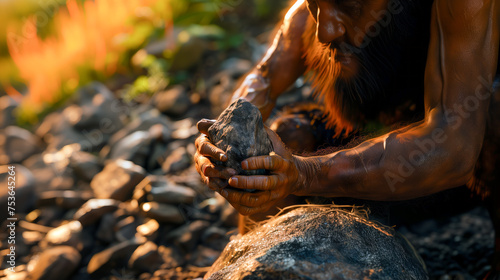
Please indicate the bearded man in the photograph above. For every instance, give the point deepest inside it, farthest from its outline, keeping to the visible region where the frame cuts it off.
(427, 63)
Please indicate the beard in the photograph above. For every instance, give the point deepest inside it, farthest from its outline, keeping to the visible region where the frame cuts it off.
(349, 100)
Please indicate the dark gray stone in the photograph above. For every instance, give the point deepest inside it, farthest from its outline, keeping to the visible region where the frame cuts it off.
(188, 236)
(174, 101)
(55, 263)
(17, 144)
(7, 111)
(23, 187)
(114, 257)
(239, 132)
(69, 234)
(146, 258)
(164, 191)
(117, 180)
(85, 165)
(163, 213)
(94, 209)
(319, 243)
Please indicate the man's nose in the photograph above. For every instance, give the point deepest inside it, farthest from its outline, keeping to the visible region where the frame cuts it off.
(329, 24)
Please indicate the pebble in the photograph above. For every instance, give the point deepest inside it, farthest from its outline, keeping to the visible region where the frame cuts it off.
(164, 191)
(173, 102)
(55, 263)
(69, 234)
(149, 229)
(24, 190)
(94, 209)
(117, 180)
(177, 161)
(64, 199)
(163, 213)
(114, 257)
(146, 258)
(188, 236)
(17, 144)
(85, 165)
(7, 108)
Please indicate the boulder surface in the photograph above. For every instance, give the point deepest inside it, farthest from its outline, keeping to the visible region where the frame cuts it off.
(319, 243)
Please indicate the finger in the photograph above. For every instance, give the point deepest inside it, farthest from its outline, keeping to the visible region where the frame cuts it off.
(216, 184)
(278, 145)
(247, 211)
(245, 198)
(219, 172)
(208, 149)
(204, 124)
(272, 162)
(257, 182)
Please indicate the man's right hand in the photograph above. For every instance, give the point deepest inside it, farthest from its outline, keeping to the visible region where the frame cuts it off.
(216, 177)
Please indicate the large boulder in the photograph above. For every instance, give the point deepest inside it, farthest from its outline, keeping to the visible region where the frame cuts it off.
(239, 132)
(319, 243)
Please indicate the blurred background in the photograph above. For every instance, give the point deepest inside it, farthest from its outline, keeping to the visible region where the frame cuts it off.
(98, 108)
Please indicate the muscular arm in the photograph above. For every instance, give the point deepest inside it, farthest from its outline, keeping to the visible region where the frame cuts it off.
(440, 152)
(280, 67)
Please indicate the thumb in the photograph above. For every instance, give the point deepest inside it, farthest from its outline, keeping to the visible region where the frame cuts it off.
(278, 145)
(204, 124)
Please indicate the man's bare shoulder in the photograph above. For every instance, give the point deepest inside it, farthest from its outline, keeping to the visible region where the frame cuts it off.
(460, 10)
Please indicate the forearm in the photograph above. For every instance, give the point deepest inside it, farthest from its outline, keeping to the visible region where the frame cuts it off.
(280, 67)
(397, 166)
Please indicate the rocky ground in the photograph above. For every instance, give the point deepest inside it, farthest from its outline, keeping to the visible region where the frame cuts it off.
(107, 189)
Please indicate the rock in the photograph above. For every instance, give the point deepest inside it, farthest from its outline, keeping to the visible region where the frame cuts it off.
(171, 257)
(146, 258)
(17, 144)
(114, 257)
(138, 147)
(229, 216)
(22, 183)
(143, 123)
(117, 180)
(163, 213)
(94, 209)
(105, 230)
(64, 199)
(125, 229)
(54, 263)
(85, 165)
(204, 256)
(188, 236)
(7, 108)
(149, 229)
(215, 238)
(239, 132)
(184, 129)
(166, 192)
(319, 243)
(51, 171)
(173, 102)
(69, 234)
(177, 161)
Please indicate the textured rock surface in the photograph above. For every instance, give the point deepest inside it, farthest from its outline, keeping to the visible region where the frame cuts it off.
(239, 132)
(318, 243)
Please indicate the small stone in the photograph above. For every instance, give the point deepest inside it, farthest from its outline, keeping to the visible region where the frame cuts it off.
(17, 144)
(204, 256)
(114, 257)
(184, 129)
(166, 192)
(85, 165)
(54, 263)
(24, 189)
(163, 213)
(69, 234)
(105, 230)
(188, 236)
(117, 180)
(172, 258)
(173, 102)
(215, 238)
(240, 132)
(177, 161)
(126, 229)
(94, 209)
(146, 258)
(64, 199)
(7, 108)
(149, 229)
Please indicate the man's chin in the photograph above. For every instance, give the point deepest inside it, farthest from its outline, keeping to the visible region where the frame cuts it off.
(349, 67)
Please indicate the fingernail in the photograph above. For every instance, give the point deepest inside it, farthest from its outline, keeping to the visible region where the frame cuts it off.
(244, 164)
(223, 157)
(233, 181)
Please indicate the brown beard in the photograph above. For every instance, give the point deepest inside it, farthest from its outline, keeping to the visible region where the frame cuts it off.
(350, 102)
(325, 72)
